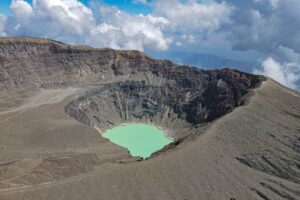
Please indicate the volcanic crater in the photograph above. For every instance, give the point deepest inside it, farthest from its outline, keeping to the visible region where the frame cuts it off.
(181, 101)
(56, 98)
(114, 87)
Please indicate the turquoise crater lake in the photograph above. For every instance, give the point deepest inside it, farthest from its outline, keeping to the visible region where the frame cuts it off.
(140, 139)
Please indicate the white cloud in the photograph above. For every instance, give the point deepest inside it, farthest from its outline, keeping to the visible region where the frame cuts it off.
(264, 25)
(72, 22)
(272, 3)
(21, 9)
(65, 20)
(122, 30)
(142, 1)
(189, 38)
(178, 43)
(2, 21)
(287, 74)
(193, 15)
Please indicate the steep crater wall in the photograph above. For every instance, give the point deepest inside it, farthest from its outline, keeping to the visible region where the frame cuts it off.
(179, 105)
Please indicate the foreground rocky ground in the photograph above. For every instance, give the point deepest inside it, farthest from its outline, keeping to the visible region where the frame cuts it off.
(236, 135)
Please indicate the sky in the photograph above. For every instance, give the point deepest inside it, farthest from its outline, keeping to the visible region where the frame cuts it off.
(257, 36)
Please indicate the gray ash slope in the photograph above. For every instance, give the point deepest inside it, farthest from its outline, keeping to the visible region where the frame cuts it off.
(229, 150)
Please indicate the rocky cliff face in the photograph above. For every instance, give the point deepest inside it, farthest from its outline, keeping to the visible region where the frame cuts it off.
(140, 88)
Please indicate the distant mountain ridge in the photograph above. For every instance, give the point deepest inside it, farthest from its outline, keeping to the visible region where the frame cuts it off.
(207, 61)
